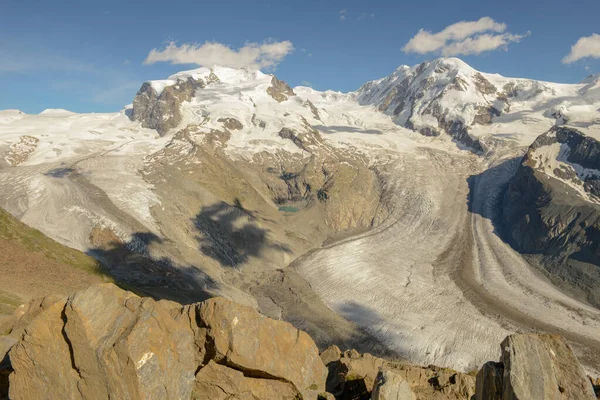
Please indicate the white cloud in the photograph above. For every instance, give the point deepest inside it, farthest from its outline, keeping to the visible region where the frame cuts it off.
(587, 46)
(342, 14)
(465, 37)
(252, 55)
(366, 16)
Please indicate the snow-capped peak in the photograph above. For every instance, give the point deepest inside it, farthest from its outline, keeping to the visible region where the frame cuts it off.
(57, 112)
(594, 78)
(231, 76)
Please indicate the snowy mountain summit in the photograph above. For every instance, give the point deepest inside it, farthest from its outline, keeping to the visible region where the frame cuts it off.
(448, 96)
(444, 96)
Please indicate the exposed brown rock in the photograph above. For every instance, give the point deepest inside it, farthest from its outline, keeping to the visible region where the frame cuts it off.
(313, 109)
(241, 338)
(483, 85)
(231, 123)
(218, 382)
(355, 375)
(391, 386)
(542, 367)
(279, 90)
(331, 354)
(104, 342)
(20, 151)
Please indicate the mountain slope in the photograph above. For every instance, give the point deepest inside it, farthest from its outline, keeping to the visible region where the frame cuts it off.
(552, 208)
(33, 265)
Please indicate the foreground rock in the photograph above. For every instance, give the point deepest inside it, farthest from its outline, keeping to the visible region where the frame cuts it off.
(241, 338)
(106, 343)
(391, 386)
(534, 367)
(103, 342)
(360, 376)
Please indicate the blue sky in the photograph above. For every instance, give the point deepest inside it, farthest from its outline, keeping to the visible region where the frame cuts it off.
(89, 56)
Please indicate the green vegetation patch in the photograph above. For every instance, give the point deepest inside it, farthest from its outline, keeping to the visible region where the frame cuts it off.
(35, 241)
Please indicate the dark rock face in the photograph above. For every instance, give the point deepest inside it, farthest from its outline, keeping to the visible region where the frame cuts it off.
(161, 111)
(543, 216)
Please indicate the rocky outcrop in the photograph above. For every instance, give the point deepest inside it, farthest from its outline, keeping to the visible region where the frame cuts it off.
(231, 124)
(20, 151)
(550, 209)
(534, 367)
(162, 110)
(241, 338)
(217, 382)
(103, 342)
(279, 90)
(391, 386)
(356, 376)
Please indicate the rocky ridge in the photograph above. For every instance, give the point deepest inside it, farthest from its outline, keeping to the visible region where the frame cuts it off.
(551, 208)
(103, 342)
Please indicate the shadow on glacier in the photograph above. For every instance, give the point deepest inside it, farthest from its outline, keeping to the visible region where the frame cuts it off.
(486, 192)
(367, 340)
(131, 266)
(230, 234)
(346, 129)
(59, 172)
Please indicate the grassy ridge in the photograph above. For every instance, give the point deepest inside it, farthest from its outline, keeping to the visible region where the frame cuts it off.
(11, 229)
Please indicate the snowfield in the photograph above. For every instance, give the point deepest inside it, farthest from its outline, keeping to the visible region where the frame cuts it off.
(433, 282)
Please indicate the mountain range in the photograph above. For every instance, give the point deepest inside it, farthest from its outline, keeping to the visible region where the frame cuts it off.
(426, 215)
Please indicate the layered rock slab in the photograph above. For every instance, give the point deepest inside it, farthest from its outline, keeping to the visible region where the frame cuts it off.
(103, 342)
(534, 367)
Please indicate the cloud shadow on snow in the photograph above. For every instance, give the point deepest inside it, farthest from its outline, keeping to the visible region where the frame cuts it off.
(132, 268)
(231, 235)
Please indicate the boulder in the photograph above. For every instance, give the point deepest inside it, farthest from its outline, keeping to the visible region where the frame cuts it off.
(542, 367)
(101, 342)
(218, 382)
(331, 354)
(363, 366)
(391, 386)
(239, 337)
(534, 367)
